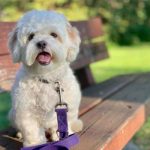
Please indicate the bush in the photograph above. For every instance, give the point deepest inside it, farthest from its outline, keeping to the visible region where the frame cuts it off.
(128, 20)
(144, 32)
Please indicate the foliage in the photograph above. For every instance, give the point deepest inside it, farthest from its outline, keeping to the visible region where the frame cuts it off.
(127, 20)
(12, 10)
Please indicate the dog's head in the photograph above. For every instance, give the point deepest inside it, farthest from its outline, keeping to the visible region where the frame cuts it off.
(44, 38)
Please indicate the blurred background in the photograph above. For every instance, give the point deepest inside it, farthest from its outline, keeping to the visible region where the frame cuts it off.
(127, 34)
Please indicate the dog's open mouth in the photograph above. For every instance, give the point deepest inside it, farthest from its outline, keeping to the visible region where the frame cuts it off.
(44, 58)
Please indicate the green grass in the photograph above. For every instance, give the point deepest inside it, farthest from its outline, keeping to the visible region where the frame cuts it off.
(142, 138)
(122, 60)
(4, 107)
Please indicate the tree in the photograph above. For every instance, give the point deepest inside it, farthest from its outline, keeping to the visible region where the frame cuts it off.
(128, 20)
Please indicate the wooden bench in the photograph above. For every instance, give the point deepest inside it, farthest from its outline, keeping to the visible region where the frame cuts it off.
(112, 111)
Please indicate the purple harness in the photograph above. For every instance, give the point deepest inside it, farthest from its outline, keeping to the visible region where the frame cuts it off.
(65, 141)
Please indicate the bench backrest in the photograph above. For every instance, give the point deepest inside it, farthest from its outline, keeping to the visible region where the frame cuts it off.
(92, 49)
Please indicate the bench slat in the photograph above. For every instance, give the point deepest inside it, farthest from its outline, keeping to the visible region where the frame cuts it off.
(95, 94)
(85, 61)
(5, 28)
(109, 126)
(7, 68)
(88, 103)
(92, 55)
(117, 119)
(89, 28)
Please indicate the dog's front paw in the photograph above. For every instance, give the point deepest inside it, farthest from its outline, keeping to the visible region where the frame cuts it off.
(54, 136)
(77, 125)
(19, 135)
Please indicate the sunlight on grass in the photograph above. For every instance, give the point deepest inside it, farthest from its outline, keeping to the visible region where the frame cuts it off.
(142, 138)
(4, 108)
(123, 60)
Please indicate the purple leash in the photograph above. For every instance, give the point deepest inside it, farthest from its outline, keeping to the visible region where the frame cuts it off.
(62, 122)
(65, 141)
(64, 144)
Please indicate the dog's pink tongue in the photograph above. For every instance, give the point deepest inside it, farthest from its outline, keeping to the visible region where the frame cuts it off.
(44, 58)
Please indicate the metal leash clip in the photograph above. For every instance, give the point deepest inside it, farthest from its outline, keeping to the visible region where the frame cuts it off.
(61, 110)
(59, 90)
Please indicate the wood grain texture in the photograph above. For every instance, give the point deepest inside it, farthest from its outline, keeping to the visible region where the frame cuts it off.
(110, 125)
(89, 28)
(5, 28)
(95, 94)
(7, 72)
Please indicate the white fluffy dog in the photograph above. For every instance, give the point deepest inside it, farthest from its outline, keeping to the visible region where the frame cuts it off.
(45, 43)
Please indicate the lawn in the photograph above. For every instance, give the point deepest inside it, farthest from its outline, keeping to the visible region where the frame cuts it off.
(122, 60)
(4, 107)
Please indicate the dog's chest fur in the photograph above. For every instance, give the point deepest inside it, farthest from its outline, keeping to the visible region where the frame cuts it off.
(31, 96)
(43, 96)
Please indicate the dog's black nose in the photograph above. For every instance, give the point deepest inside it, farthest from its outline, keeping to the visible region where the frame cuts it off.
(41, 44)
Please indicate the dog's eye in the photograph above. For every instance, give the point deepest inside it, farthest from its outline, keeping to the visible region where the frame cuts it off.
(54, 35)
(31, 36)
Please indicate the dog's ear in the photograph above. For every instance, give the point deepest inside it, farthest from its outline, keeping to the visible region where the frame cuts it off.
(74, 43)
(13, 45)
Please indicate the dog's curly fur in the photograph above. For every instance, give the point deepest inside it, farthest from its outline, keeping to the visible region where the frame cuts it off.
(33, 102)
